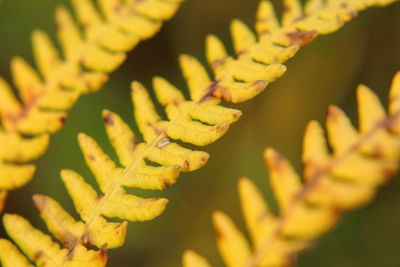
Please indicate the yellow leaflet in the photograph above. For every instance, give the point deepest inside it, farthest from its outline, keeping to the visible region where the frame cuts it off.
(232, 245)
(191, 258)
(11, 257)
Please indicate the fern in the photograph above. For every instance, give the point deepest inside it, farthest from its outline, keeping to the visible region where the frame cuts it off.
(89, 54)
(155, 162)
(334, 182)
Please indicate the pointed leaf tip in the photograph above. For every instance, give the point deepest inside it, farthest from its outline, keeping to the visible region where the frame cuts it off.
(192, 259)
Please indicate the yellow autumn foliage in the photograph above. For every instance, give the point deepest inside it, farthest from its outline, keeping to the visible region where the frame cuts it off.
(155, 162)
(93, 44)
(333, 182)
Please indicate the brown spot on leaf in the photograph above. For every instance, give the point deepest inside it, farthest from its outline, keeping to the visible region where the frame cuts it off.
(217, 63)
(71, 250)
(353, 14)
(38, 255)
(392, 124)
(92, 158)
(69, 244)
(377, 152)
(301, 38)
(156, 130)
(118, 227)
(210, 91)
(218, 233)
(39, 203)
(223, 93)
(63, 119)
(103, 250)
(166, 183)
(87, 238)
(333, 113)
(336, 212)
(311, 168)
(299, 19)
(107, 119)
(174, 102)
(286, 8)
(260, 85)
(103, 253)
(241, 52)
(236, 115)
(276, 161)
(84, 26)
(222, 128)
(133, 143)
(186, 165)
(388, 172)
(68, 239)
(98, 199)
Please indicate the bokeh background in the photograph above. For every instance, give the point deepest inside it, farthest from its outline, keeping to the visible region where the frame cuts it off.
(325, 72)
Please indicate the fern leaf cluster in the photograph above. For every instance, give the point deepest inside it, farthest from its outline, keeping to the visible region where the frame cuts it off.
(93, 44)
(189, 121)
(155, 162)
(333, 182)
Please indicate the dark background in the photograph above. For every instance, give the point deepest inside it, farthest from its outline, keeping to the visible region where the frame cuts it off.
(325, 72)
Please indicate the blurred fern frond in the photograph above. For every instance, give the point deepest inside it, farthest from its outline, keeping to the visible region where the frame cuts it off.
(90, 51)
(333, 182)
(259, 59)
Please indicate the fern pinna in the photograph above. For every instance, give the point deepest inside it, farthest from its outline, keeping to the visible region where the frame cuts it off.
(156, 161)
(90, 52)
(334, 182)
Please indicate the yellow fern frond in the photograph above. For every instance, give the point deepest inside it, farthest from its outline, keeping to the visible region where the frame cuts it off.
(259, 58)
(152, 164)
(334, 182)
(155, 162)
(93, 45)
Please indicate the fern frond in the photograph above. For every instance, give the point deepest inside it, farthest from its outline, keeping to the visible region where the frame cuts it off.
(155, 162)
(259, 58)
(334, 182)
(93, 44)
(152, 164)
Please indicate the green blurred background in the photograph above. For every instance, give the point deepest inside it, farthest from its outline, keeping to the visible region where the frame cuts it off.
(325, 72)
